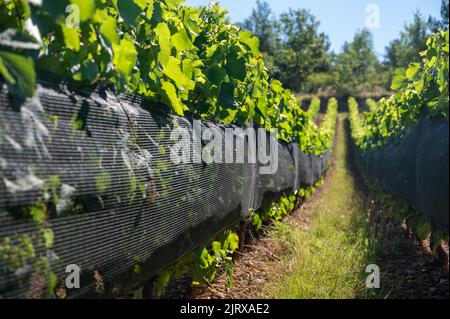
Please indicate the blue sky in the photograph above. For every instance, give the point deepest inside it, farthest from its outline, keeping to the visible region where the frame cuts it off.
(341, 18)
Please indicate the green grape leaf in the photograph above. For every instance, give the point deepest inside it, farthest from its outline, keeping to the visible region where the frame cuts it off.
(43, 20)
(232, 242)
(262, 106)
(412, 70)
(52, 280)
(49, 237)
(215, 74)
(51, 64)
(432, 53)
(129, 11)
(216, 247)
(236, 67)
(172, 98)
(4, 72)
(90, 70)
(173, 4)
(173, 71)
(256, 221)
(226, 115)
(181, 41)
(141, 3)
(22, 8)
(190, 19)
(71, 38)
(188, 67)
(149, 12)
(204, 258)
(418, 86)
(276, 86)
(251, 41)
(399, 79)
(55, 9)
(163, 35)
(87, 8)
(161, 283)
(125, 56)
(211, 50)
(108, 29)
(226, 95)
(19, 73)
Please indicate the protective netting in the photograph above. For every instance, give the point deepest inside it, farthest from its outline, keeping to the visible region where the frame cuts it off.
(415, 169)
(98, 165)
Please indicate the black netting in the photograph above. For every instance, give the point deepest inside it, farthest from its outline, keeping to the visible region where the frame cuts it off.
(415, 169)
(120, 199)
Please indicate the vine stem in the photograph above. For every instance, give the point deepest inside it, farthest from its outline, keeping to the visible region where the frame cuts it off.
(127, 115)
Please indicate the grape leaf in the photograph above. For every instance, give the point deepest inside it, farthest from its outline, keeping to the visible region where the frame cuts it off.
(23, 9)
(215, 74)
(262, 106)
(412, 70)
(125, 56)
(141, 3)
(181, 41)
(251, 41)
(87, 8)
(19, 73)
(276, 86)
(55, 9)
(149, 12)
(236, 67)
(129, 11)
(226, 95)
(174, 4)
(172, 98)
(399, 79)
(71, 38)
(163, 35)
(109, 31)
(90, 70)
(173, 71)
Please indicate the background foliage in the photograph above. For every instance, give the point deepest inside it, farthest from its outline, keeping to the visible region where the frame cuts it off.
(299, 55)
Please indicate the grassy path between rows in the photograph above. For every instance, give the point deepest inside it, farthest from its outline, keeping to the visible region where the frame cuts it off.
(331, 255)
(323, 248)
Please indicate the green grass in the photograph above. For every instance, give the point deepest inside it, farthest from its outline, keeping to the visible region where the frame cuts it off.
(330, 258)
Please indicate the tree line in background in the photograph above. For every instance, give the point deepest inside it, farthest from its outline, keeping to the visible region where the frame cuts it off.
(298, 54)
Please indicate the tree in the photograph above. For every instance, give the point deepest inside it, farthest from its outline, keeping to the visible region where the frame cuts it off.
(443, 23)
(356, 67)
(405, 50)
(263, 24)
(303, 49)
(445, 14)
